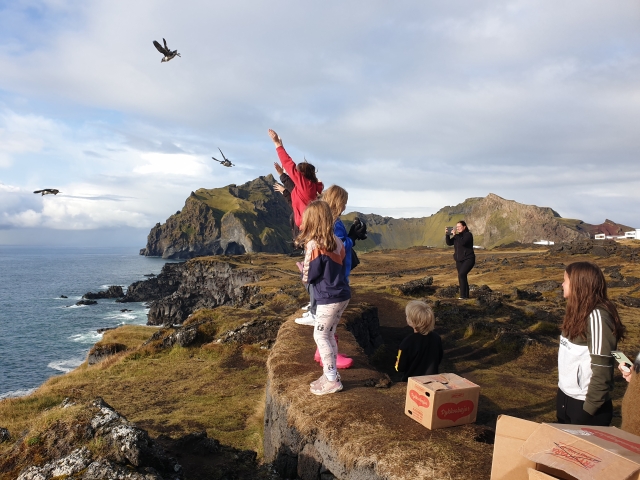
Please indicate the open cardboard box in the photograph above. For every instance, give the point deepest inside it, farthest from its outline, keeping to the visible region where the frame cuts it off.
(438, 401)
(568, 452)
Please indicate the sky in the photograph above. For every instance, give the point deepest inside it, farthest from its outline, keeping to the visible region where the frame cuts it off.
(409, 105)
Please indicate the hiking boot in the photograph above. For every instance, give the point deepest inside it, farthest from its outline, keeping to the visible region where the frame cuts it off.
(306, 319)
(327, 387)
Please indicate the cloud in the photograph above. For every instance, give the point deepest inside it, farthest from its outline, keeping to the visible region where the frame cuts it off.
(410, 108)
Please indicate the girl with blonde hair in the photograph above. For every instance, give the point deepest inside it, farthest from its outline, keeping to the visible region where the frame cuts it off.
(323, 271)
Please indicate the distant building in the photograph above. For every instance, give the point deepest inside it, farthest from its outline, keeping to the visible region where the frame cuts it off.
(544, 242)
(599, 236)
(635, 234)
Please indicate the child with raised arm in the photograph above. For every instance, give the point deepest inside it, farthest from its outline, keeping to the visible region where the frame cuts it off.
(323, 271)
(421, 352)
(306, 188)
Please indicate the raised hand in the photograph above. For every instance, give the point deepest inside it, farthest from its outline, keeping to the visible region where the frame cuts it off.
(276, 139)
(278, 168)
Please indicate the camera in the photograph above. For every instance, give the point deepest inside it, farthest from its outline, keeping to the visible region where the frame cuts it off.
(449, 230)
(358, 230)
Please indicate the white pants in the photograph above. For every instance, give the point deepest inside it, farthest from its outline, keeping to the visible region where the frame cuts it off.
(327, 318)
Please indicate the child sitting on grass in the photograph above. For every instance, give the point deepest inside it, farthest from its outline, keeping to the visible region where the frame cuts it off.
(421, 352)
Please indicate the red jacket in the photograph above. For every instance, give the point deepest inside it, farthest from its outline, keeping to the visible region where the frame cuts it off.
(304, 192)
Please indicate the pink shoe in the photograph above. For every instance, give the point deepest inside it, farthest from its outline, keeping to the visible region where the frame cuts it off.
(341, 361)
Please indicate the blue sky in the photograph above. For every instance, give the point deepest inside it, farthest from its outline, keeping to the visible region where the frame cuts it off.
(410, 106)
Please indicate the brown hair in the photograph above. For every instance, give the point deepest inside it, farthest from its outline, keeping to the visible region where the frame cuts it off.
(587, 290)
(420, 316)
(337, 198)
(317, 224)
(308, 171)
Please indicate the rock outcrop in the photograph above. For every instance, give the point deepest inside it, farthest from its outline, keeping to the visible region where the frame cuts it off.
(230, 220)
(182, 288)
(127, 452)
(102, 351)
(114, 291)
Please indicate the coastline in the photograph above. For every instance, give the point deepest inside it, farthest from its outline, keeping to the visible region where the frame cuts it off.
(45, 334)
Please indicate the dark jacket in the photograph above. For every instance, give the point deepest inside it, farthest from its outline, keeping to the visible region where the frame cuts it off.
(324, 271)
(462, 245)
(419, 355)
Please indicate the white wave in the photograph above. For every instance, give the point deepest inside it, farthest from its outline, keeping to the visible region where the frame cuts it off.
(73, 306)
(66, 366)
(17, 393)
(88, 337)
(121, 316)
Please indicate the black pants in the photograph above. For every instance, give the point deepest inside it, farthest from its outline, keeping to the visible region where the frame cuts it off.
(569, 410)
(464, 267)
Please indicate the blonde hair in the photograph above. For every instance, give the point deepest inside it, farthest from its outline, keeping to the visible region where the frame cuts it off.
(337, 198)
(317, 224)
(420, 316)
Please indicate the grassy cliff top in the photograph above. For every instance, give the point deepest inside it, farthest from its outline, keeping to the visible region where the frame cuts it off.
(220, 387)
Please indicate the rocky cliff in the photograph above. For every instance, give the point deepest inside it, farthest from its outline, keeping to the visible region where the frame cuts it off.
(254, 218)
(225, 221)
(492, 220)
(182, 288)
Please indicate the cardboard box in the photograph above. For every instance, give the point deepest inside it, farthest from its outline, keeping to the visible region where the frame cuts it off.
(568, 452)
(438, 401)
(536, 475)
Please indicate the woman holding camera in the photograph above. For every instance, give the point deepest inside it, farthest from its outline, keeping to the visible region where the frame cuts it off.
(462, 240)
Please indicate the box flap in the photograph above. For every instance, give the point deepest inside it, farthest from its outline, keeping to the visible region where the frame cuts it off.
(586, 452)
(536, 475)
(511, 433)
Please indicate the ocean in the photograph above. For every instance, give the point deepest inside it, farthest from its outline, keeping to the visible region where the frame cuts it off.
(42, 334)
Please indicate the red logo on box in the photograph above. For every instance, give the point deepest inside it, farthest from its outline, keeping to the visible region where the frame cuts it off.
(420, 400)
(455, 411)
(634, 447)
(575, 455)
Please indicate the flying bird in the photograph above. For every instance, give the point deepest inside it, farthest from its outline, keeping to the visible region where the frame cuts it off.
(168, 54)
(48, 191)
(226, 162)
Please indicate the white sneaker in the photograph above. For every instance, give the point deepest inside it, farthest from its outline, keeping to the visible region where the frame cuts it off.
(306, 307)
(306, 319)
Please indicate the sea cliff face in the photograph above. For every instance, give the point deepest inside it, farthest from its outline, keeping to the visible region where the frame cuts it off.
(225, 221)
(182, 288)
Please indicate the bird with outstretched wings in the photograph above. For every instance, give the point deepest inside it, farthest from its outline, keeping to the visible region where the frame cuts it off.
(226, 162)
(48, 191)
(166, 51)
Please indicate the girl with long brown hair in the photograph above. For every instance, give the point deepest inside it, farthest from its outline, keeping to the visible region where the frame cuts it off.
(590, 331)
(323, 271)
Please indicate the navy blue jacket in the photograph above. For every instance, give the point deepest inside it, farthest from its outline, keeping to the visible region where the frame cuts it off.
(324, 271)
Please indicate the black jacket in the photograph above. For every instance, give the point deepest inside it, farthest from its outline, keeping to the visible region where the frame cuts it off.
(462, 245)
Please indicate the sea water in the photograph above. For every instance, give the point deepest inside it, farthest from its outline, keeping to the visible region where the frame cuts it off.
(43, 334)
